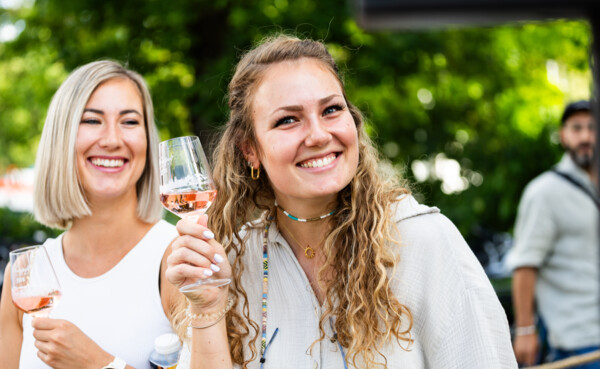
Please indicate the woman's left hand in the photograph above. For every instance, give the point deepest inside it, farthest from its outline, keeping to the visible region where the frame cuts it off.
(61, 344)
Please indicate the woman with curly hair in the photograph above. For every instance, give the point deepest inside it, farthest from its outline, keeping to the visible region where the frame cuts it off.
(333, 263)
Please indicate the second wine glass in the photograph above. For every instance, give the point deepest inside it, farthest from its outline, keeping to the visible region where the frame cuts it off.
(34, 286)
(186, 186)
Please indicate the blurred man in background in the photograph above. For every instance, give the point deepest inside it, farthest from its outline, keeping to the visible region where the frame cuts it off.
(555, 255)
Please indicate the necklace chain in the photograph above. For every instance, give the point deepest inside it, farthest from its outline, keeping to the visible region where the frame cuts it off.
(302, 219)
(309, 252)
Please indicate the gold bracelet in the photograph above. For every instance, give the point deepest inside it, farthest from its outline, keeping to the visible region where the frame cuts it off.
(214, 318)
(207, 326)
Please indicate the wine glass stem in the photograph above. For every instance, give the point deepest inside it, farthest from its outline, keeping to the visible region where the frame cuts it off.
(42, 314)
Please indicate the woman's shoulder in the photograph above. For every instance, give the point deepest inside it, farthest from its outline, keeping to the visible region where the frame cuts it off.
(156, 241)
(423, 229)
(422, 226)
(431, 246)
(51, 244)
(162, 226)
(406, 206)
(437, 273)
(161, 232)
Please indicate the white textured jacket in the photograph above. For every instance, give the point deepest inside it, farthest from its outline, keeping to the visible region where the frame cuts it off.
(458, 320)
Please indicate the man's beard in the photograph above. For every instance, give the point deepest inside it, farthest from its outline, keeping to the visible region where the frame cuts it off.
(582, 160)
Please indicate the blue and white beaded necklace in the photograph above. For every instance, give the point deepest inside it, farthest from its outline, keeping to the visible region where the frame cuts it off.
(302, 219)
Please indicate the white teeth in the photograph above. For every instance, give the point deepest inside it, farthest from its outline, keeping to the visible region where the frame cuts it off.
(108, 163)
(318, 163)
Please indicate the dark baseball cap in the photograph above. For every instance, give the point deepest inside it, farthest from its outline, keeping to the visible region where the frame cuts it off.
(575, 107)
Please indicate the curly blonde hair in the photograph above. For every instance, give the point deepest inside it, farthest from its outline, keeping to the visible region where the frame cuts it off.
(367, 314)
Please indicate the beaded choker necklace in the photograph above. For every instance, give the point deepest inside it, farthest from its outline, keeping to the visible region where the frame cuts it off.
(305, 220)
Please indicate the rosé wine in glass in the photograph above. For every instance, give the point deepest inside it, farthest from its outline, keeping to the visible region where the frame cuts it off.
(34, 287)
(189, 202)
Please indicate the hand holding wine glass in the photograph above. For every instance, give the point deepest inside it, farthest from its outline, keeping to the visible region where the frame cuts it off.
(34, 286)
(186, 187)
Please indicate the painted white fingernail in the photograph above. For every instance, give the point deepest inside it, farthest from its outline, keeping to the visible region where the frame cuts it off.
(208, 272)
(193, 218)
(218, 258)
(214, 268)
(208, 235)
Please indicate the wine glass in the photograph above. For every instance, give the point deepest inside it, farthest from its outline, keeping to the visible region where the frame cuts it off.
(186, 187)
(34, 286)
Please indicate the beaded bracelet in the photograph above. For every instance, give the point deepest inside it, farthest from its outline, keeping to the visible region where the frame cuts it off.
(216, 316)
(525, 331)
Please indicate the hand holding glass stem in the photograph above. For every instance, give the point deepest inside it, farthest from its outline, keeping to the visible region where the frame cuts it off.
(187, 190)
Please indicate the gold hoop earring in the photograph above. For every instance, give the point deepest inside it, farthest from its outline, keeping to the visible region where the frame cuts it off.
(254, 175)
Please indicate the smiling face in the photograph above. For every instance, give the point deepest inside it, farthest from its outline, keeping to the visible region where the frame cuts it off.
(111, 141)
(308, 141)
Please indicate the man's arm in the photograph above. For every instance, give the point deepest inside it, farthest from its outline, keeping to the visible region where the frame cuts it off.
(526, 343)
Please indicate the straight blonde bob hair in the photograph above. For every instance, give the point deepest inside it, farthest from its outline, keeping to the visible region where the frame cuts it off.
(58, 194)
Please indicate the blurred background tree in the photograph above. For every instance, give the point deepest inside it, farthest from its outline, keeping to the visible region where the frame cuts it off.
(470, 115)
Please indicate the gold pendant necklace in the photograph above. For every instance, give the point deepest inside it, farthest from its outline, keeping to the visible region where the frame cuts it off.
(309, 252)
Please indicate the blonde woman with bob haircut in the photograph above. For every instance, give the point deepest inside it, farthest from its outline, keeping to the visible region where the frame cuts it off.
(342, 268)
(97, 178)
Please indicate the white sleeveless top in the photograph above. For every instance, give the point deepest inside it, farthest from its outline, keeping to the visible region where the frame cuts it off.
(120, 310)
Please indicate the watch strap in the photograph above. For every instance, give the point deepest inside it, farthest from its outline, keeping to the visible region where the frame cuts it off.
(117, 363)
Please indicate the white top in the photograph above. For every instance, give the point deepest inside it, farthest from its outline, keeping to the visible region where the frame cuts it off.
(458, 320)
(557, 232)
(120, 310)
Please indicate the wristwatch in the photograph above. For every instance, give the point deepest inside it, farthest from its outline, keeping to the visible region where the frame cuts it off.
(117, 363)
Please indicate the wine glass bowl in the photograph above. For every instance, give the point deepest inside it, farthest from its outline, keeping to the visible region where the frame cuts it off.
(187, 203)
(34, 287)
(186, 187)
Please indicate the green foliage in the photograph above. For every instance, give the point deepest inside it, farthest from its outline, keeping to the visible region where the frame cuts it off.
(488, 98)
(20, 229)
